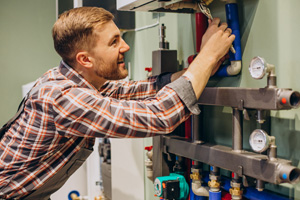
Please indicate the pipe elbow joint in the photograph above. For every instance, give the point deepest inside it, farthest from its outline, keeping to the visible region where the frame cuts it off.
(230, 70)
(198, 189)
(234, 68)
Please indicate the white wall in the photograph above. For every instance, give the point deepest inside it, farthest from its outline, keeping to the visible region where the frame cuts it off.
(127, 168)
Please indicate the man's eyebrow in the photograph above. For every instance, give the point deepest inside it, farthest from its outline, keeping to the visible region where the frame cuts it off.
(116, 35)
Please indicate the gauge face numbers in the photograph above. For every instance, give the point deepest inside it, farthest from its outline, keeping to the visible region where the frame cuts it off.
(257, 67)
(259, 140)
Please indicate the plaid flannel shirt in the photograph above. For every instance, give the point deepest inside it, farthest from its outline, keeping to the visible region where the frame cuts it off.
(68, 113)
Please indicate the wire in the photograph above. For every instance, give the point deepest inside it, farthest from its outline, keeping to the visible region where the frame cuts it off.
(142, 28)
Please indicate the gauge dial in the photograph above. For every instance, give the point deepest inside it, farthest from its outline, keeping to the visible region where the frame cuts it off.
(259, 140)
(257, 67)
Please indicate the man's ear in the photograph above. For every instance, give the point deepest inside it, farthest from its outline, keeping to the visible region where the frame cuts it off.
(83, 59)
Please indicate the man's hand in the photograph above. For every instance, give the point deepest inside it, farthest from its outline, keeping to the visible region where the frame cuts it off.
(217, 41)
(208, 34)
(211, 30)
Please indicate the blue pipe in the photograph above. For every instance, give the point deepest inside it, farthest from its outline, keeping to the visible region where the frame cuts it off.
(232, 17)
(222, 72)
(215, 195)
(233, 23)
(249, 192)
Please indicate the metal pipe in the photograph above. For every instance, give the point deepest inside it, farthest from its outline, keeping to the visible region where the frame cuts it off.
(196, 170)
(162, 35)
(289, 98)
(214, 176)
(288, 174)
(272, 81)
(272, 151)
(244, 163)
(236, 187)
(196, 133)
(237, 130)
(260, 185)
(252, 98)
(261, 116)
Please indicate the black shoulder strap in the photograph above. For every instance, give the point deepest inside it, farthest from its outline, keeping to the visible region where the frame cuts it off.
(20, 109)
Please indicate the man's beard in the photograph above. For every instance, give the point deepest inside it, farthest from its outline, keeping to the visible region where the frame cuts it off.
(109, 73)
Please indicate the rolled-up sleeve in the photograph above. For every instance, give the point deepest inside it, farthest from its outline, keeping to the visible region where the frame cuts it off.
(185, 91)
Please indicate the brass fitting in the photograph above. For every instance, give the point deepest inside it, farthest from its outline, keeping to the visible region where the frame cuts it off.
(195, 176)
(207, 2)
(214, 184)
(75, 197)
(236, 193)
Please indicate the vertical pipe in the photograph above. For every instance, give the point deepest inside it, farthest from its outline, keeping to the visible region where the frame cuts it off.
(214, 183)
(237, 130)
(56, 8)
(201, 26)
(233, 23)
(196, 127)
(237, 146)
(260, 185)
(236, 187)
(196, 134)
(215, 195)
(232, 17)
(188, 135)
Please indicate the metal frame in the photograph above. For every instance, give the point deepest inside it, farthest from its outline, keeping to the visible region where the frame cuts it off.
(250, 98)
(243, 163)
(235, 159)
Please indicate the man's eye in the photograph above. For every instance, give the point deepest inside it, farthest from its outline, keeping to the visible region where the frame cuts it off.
(114, 41)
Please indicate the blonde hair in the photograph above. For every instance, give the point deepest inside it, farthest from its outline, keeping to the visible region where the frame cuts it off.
(73, 31)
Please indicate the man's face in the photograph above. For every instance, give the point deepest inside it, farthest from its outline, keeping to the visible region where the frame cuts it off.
(108, 53)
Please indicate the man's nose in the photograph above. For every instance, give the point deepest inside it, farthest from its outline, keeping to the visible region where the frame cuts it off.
(125, 47)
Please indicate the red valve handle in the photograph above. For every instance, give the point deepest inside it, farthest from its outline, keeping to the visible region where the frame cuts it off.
(149, 148)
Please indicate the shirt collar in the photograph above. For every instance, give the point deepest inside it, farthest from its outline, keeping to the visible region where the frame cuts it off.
(74, 76)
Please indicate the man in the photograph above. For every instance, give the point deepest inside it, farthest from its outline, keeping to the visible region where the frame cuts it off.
(82, 99)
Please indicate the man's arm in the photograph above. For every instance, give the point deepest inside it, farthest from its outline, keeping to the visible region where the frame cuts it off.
(217, 41)
(213, 50)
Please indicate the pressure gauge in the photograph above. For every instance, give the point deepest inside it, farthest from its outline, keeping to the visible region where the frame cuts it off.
(258, 67)
(259, 140)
